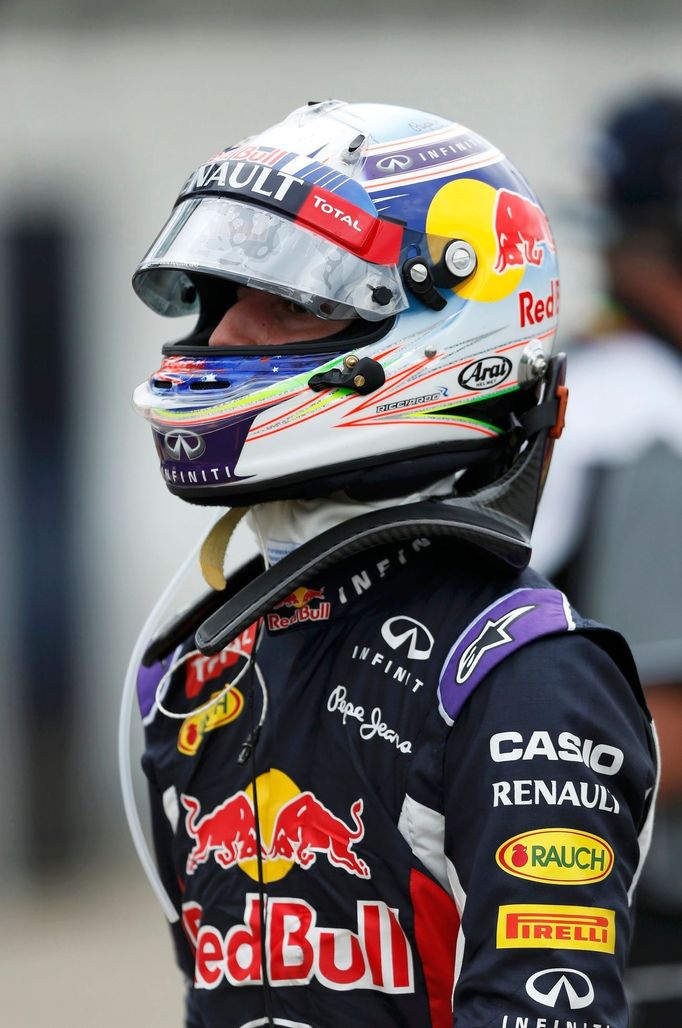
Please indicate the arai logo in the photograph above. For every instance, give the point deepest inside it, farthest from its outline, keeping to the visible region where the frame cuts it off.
(485, 373)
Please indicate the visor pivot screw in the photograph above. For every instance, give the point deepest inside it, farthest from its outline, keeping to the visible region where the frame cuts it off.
(430, 351)
(419, 273)
(351, 360)
(459, 258)
(359, 381)
(382, 295)
(533, 364)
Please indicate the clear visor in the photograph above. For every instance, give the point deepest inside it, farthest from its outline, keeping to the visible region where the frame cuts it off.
(256, 247)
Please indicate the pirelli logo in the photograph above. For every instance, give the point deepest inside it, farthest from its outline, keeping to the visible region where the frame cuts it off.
(543, 926)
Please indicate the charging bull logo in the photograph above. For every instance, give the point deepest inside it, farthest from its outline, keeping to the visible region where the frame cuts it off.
(509, 232)
(296, 827)
(520, 227)
(299, 602)
(305, 827)
(228, 832)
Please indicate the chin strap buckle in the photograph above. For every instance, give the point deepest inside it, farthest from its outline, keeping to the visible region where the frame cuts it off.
(560, 421)
(362, 375)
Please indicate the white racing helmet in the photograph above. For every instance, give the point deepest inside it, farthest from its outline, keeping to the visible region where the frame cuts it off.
(415, 228)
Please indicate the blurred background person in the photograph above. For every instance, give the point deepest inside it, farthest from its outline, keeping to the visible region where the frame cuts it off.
(610, 521)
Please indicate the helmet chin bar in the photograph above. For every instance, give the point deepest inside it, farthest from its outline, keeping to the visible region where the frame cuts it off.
(497, 519)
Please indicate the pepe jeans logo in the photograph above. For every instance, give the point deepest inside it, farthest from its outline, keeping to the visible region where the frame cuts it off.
(558, 856)
(182, 444)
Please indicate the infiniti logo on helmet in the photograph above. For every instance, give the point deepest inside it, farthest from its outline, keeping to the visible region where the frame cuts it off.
(555, 980)
(396, 631)
(396, 162)
(182, 444)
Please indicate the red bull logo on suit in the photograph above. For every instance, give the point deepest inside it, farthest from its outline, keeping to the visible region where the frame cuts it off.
(377, 956)
(296, 828)
(299, 602)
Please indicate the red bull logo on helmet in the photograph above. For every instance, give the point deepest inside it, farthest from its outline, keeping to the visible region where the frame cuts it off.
(377, 956)
(296, 828)
(521, 227)
(299, 602)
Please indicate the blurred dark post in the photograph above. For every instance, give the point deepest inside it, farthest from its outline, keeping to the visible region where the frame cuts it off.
(39, 368)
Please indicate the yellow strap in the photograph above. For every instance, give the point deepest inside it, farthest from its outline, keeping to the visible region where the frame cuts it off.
(214, 547)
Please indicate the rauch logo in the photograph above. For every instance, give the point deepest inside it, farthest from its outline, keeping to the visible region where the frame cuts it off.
(559, 856)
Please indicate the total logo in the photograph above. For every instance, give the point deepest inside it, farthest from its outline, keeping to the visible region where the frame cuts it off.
(201, 670)
(377, 956)
(299, 601)
(561, 985)
(339, 215)
(227, 706)
(558, 856)
(296, 828)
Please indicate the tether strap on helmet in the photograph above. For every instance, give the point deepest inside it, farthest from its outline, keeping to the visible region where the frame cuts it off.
(212, 554)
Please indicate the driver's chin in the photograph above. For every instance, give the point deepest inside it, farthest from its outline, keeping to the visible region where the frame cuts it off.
(264, 319)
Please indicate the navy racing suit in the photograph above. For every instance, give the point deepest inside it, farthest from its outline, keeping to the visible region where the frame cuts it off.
(443, 817)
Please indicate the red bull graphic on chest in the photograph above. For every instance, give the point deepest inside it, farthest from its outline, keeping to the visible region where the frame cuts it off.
(303, 604)
(296, 828)
(377, 956)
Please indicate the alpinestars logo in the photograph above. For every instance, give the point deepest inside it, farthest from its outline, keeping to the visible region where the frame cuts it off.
(494, 634)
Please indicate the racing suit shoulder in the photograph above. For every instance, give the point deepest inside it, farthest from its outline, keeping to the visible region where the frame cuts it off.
(549, 774)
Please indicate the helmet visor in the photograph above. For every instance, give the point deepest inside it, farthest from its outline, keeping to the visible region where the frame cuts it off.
(260, 248)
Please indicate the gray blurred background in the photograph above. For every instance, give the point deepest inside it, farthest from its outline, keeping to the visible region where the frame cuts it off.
(105, 108)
